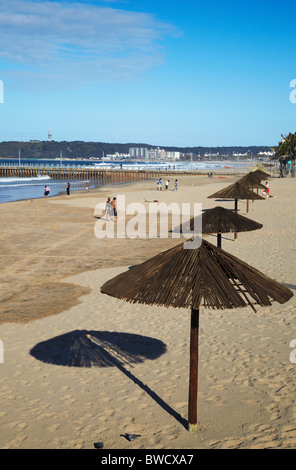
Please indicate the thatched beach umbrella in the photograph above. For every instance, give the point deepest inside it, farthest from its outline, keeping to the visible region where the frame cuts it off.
(252, 181)
(190, 278)
(262, 175)
(220, 220)
(236, 191)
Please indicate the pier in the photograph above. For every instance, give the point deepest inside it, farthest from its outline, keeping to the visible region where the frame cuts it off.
(104, 176)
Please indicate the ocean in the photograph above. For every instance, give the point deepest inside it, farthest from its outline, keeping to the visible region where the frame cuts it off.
(15, 189)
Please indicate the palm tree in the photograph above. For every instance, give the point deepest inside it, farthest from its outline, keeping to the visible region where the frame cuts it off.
(286, 150)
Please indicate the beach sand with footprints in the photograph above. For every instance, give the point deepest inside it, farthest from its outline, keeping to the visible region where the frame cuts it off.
(80, 367)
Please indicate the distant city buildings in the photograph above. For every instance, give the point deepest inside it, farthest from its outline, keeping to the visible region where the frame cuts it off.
(153, 153)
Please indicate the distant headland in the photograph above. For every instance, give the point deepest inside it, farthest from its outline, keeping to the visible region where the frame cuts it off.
(98, 150)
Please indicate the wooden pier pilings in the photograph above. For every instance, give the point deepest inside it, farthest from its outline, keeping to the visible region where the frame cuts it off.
(104, 176)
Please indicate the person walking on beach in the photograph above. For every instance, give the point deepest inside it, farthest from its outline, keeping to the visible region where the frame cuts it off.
(108, 209)
(86, 187)
(68, 189)
(265, 192)
(159, 185)
(46, 191)
(114, 209)
(167, 184)
(176, 185)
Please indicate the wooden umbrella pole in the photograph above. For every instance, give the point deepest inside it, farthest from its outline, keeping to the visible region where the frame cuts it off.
(193, 372)
(247, 206)
(235, 210)
(219, 237)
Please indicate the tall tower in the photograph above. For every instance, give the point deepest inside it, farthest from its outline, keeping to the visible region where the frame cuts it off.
(49, 134)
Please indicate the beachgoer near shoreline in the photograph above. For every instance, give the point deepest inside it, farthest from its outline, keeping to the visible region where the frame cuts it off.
(176, 185)
(159, 185)
(114, 209)
(86, 187)
(68, 189)
(108, 209)
(265, 192)
(46, 191)
(167, 184)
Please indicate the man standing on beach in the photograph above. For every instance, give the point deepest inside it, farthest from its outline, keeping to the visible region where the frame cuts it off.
(68, 189)
(114, 210)
(159, 185)
(46, 191)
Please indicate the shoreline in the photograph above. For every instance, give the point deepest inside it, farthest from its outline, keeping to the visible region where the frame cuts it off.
(216, 173)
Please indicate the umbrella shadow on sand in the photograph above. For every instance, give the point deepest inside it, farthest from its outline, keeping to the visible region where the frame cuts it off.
(290, 286)
(88, 348)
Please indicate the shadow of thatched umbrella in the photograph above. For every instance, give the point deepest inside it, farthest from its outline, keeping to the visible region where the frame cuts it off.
(88, 348)
(191, 278)
(220, 220)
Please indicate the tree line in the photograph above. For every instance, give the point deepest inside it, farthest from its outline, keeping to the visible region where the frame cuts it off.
(286, 152)
(82, 149)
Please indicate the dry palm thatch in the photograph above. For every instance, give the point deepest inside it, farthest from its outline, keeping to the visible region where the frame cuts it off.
(190, 278)
(220, 220)
(251, 181)
(235, 191)
(262, 175)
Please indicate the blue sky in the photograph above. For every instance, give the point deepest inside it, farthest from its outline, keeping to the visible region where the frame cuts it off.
(181, 73)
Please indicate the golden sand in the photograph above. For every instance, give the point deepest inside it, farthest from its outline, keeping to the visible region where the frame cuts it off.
(58, 392)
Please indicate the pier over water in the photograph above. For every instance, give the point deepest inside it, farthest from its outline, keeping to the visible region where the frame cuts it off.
(104, 176)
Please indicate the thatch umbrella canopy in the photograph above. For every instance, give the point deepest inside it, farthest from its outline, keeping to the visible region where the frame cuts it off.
(262, 175)
(190, 278)
(251, 180)
(236, 191)
(220, 220)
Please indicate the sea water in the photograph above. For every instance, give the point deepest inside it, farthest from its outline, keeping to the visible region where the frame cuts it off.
(16, 189)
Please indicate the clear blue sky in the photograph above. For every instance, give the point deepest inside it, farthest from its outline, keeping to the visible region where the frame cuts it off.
(161, 72)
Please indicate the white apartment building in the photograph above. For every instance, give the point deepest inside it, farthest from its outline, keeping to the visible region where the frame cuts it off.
(153, 153)
(139, 152)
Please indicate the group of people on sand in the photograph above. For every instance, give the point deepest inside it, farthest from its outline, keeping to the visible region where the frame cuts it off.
(111, 209)
(47, 190)
(159, 185)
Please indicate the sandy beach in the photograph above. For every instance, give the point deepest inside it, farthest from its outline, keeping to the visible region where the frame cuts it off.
(80, 367)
